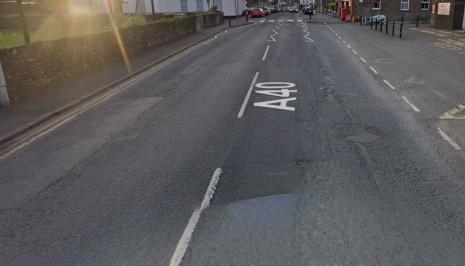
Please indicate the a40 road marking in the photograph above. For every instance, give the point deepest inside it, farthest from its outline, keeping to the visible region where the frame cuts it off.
(276, 89)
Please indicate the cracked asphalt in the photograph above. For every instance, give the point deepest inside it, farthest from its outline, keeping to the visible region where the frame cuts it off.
(326, 165)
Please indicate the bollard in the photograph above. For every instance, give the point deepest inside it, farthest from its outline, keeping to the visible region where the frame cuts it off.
(387, 27)
(393, 27)
(381, 23)
(371, 23)
(376, 24)
(229, 21)
(401, 27)
(416, 24)
(360, 17)
(4, 99)
(246, 17)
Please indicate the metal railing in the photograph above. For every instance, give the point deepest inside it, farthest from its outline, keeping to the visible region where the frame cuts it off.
(386, 25)
(391, 27)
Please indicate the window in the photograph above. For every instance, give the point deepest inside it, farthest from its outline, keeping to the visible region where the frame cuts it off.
(424, 4)
(376, 4)
(404, 5)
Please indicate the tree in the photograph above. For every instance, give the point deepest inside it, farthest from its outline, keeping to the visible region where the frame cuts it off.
(22, 19)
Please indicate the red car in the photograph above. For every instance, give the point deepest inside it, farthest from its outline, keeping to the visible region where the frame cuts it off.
(257, 12)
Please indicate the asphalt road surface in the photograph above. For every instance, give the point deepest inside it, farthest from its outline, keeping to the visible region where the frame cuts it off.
(271, 144)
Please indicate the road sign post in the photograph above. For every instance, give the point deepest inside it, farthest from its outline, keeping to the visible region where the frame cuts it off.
(4, 99)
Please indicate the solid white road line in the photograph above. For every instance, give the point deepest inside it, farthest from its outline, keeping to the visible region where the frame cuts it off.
(186, 237)
(91, 103)
(266, 52)
(440, 94)
(363, 60)
(410, 104)
(355, 52)
(374, 70)
(212, 39)
(448, 139)
(389, 84)
(247, 97)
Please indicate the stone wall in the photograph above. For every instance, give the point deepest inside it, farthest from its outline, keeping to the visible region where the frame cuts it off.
(44, 64)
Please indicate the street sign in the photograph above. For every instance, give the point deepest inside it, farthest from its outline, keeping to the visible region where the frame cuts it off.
(444, 9)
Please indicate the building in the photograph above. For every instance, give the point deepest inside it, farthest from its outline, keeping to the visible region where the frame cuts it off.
(306, 2)
(137, 6)
(392, 9)
(448, 15)
(231, 8)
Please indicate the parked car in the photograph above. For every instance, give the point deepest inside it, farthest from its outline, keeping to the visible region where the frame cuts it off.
(294, 10)
(257, 13)
(267, 11)
(379, 18)
(308, 10)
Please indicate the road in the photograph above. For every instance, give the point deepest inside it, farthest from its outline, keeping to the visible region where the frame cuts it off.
(275, 143)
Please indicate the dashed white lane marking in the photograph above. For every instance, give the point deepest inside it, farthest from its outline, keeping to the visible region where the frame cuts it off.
(355, 52)
(374, 70)
(186, 237)
(271, 20)
(290, 20)
(266, 52)
(389, 84)
(448, 139)
(339, 37)
(348, 46)
(299, 20)
(261, 21)
(363, 60)
(281, 20)
(247, 97)
(344, 42)
(410, 104)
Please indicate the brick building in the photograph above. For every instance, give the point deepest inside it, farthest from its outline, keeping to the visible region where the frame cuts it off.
(448, 14)
(393, 9)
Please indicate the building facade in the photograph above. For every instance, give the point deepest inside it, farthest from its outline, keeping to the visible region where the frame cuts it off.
(392, 9)
(448, 14)
(231, 8)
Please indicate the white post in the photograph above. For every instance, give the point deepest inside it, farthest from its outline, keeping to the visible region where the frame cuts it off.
(4, 100)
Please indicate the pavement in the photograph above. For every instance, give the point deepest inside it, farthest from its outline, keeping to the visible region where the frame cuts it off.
(33, 105)
(277, 143)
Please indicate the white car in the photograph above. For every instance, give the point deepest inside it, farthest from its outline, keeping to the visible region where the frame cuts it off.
(294, 10)
(379, 18)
